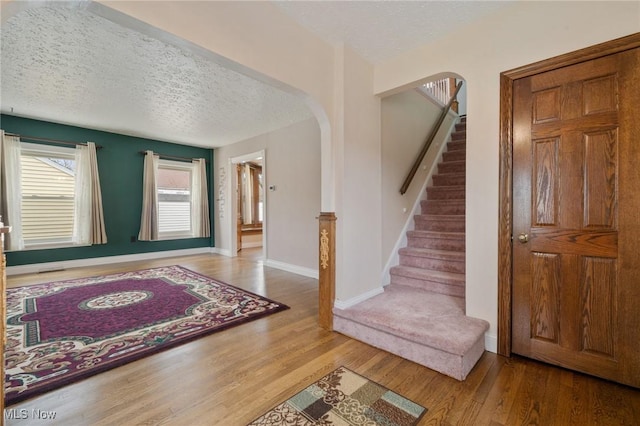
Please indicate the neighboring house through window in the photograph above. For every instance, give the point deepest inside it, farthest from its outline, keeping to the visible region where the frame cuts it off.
(174, 199)
(48, 195)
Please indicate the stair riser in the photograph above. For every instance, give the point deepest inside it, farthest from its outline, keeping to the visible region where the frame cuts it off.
(459, 135)
(451, 290)
(457, 145)
(436, 243)
(459, 155)
(442, 207)
(433, 264)
(453, 365)
(461, 127)
(448, 180)
(423, 224)
(434, 193)
(451, 167)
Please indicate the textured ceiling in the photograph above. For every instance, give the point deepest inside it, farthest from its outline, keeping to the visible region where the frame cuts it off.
(63, 63)
(68, 65)
(380, 30)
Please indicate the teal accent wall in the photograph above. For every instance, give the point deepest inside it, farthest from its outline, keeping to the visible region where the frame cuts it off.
(121, 169)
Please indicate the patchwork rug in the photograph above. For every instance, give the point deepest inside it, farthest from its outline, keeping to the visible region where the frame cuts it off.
(344, 398)
(64, 331)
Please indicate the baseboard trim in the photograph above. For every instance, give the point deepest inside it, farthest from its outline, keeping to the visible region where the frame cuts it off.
(491, 343)
(77, 263)
(344, 304)
(223, 252)
(252, 245)
(295, 269)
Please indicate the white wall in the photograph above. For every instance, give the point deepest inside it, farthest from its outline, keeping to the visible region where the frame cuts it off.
(292, 164)
(522, 34)
(358, 177)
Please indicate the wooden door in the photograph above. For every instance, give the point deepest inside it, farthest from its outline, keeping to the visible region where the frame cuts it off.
(576, 217)
(239, 203)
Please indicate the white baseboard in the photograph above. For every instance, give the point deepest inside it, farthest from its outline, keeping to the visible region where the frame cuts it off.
(344, 304)
(300, 270)
(223, 252)
(77, 263)
(252, 245)
(491, 343)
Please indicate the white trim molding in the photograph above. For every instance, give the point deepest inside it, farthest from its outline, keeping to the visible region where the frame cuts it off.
(221, 251)
(491, 343)
(344, 304)
(295, 269)
(77, 263)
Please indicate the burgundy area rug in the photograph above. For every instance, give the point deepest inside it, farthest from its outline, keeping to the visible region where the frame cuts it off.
(64, 331)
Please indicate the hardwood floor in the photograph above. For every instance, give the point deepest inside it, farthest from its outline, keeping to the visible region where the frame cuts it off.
(231, 377)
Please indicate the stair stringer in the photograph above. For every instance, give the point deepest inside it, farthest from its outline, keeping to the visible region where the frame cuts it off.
(410, 224)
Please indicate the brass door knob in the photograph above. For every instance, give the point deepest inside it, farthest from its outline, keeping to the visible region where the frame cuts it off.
(523, 238)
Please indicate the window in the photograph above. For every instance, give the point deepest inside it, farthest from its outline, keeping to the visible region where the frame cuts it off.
(174, 199)
(48, 195)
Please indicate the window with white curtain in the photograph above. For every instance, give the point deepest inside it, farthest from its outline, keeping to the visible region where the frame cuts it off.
(174, 199)
(48, 195)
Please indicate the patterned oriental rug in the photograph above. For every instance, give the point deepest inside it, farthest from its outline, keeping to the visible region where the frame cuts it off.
(344, 398)
(64, 331)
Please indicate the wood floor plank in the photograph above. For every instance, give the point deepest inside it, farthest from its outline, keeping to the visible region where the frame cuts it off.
(231, 377)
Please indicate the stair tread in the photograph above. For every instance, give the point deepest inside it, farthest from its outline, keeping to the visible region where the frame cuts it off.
(427, 318)
(440, 217)
(436, 234)
(435, 253)
(446, 187)
(454, 278)
(451, 174)
(445, 201)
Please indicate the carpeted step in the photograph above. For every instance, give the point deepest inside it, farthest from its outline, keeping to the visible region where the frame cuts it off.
(447, 179)
(452, 167)
(456, 155)
(455, 207)
(459, 135)
(451, 283)
(443, 223)
(457, 145)
(461, 126)
(454, 241)
(435, 260)
(452, 192)
(428, 328)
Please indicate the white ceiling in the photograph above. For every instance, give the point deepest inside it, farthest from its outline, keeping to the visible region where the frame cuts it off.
(63, 63)
(380, 30)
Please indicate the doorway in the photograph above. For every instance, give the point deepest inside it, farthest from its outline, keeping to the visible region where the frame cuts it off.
(248, 222)
(568, 241)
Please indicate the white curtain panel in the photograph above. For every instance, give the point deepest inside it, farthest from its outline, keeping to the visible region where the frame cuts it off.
(149, 218)
(11, 190)
(88, 218)
(199, 199)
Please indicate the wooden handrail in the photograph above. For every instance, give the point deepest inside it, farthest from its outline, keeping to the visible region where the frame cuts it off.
(429, 141)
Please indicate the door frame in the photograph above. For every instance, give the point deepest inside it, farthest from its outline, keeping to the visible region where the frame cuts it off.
(505, 208)
(233, 226)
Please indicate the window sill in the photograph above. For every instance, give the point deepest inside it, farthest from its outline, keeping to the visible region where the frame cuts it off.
(48, 246)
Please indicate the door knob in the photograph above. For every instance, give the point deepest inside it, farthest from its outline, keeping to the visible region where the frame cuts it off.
(523, 238)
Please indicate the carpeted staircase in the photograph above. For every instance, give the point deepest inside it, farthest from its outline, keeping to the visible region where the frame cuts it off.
(421, 314)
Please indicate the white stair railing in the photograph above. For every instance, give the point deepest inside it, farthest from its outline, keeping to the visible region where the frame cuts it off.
(439, 90)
